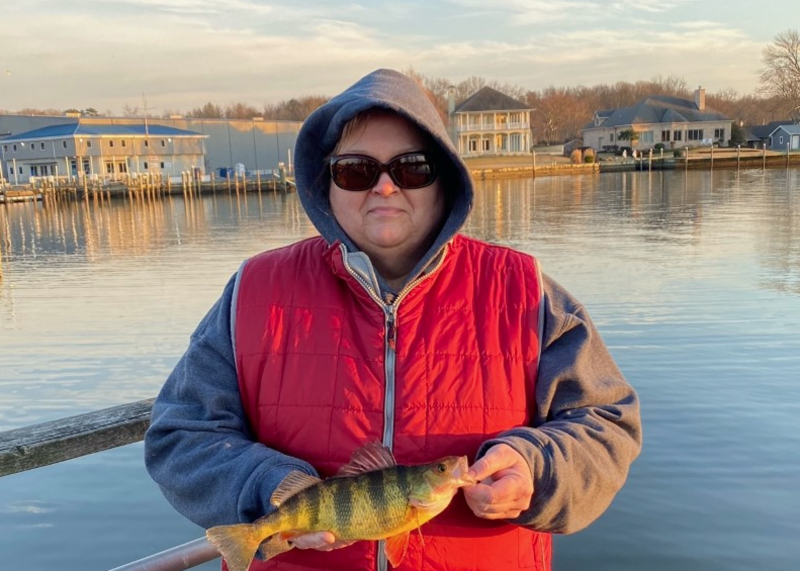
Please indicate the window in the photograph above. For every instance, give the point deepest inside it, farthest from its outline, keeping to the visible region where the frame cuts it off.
(163, 143)
(88, 143)
(612, 137)
(473, 145)
(15, 148)
(646, 137)
(486, 143)
(162, 164)
(123, 167)
(719, 134)
(677, 135)
(694, 135)
(109, 168)
(123, 143)
(64, 144)
(111, 143)
(34, 171)
(42, 147)
(146, 166)
(781, 141)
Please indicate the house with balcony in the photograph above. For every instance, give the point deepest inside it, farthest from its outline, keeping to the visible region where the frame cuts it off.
(102, 151)
(671, 121)
(490, 123)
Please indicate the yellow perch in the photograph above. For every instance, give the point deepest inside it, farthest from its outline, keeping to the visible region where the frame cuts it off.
(371, 498)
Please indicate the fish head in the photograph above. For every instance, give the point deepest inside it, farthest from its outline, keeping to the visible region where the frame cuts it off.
(438, 483)
(449, 474)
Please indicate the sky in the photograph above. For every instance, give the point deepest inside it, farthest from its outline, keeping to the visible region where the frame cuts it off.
(175, 55)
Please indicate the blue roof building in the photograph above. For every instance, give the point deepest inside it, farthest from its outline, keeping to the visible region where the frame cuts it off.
(106, 151)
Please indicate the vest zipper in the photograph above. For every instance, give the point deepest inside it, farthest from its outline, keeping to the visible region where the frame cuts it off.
(390, 357)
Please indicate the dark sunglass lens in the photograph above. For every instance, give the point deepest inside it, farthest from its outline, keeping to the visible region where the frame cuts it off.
(412, 171)
(354, 173)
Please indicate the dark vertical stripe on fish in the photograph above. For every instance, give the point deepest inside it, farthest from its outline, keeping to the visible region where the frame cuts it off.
(296, 514)
(378, 494)
(343, 503)
(403, 480)
(313, 497)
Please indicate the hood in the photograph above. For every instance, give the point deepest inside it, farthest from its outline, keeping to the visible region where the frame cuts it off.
(319, 134)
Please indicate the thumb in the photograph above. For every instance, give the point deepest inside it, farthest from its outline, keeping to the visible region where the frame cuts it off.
(497, 458)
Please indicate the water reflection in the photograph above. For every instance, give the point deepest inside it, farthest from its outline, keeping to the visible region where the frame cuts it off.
(692, 278)
(652, 207)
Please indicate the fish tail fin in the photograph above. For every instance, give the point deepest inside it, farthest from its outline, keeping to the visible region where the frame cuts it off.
(236, 543)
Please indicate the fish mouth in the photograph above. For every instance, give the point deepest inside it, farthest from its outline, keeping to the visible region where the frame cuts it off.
(460, 472)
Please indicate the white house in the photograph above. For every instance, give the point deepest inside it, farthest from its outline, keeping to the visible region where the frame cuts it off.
(674, 122)
(490, 123)
(101, 150)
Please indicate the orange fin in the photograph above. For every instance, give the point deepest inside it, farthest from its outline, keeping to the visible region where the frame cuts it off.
(370, 457)
(396, 548)
(294, 482)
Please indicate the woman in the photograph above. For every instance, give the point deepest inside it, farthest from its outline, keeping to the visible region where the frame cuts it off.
(392, 326)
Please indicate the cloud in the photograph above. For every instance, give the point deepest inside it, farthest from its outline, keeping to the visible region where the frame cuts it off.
(183, 53)
(527, 12)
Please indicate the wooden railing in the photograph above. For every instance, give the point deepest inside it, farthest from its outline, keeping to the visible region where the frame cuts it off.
(48, 443)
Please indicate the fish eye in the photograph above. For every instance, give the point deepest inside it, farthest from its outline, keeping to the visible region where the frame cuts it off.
(441, 468)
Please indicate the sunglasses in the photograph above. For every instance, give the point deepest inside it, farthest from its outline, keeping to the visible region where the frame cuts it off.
(359, 172)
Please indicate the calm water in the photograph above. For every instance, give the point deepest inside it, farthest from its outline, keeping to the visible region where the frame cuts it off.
(693, 279)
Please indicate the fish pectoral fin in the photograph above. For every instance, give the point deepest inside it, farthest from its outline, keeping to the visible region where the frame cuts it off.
(424, 502)
(419, 528)
(396, 547)
(294, 482)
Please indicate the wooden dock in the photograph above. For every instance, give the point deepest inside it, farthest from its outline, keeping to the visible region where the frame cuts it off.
(142, 186)
(17, 194)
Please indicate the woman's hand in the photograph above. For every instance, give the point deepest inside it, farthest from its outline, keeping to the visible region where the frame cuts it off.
(321, 541)
(505, 484)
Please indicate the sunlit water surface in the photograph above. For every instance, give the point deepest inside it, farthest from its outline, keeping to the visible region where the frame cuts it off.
(693, 279)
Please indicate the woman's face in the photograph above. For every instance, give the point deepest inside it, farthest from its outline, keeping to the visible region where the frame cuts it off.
(392, 225)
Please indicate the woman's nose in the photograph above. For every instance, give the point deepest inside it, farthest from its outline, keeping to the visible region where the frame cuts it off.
(384, 185)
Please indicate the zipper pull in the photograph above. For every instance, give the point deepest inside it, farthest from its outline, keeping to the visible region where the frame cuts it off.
(391, 331)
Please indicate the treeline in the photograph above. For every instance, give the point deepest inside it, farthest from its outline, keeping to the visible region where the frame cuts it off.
(559, 112)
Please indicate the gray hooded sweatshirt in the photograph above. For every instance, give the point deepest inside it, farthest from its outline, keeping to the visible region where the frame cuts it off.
(585, 431)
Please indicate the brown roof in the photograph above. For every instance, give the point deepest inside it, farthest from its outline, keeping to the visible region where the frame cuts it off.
(488, 99)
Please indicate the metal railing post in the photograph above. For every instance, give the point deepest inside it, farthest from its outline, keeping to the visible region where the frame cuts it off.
(177, 558)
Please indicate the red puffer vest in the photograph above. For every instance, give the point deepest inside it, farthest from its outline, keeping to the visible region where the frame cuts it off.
(322, 369)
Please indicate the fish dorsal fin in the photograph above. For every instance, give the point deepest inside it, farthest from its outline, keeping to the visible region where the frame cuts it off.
(370, 457)
(295, 481)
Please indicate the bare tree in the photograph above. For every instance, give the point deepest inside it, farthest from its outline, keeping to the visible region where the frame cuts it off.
(295, 109)
(207, 111)
(241, 110)
(780, 77)
(131, 111)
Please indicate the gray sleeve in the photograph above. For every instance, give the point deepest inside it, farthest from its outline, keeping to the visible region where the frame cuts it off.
(199, 448)
(586, 427)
